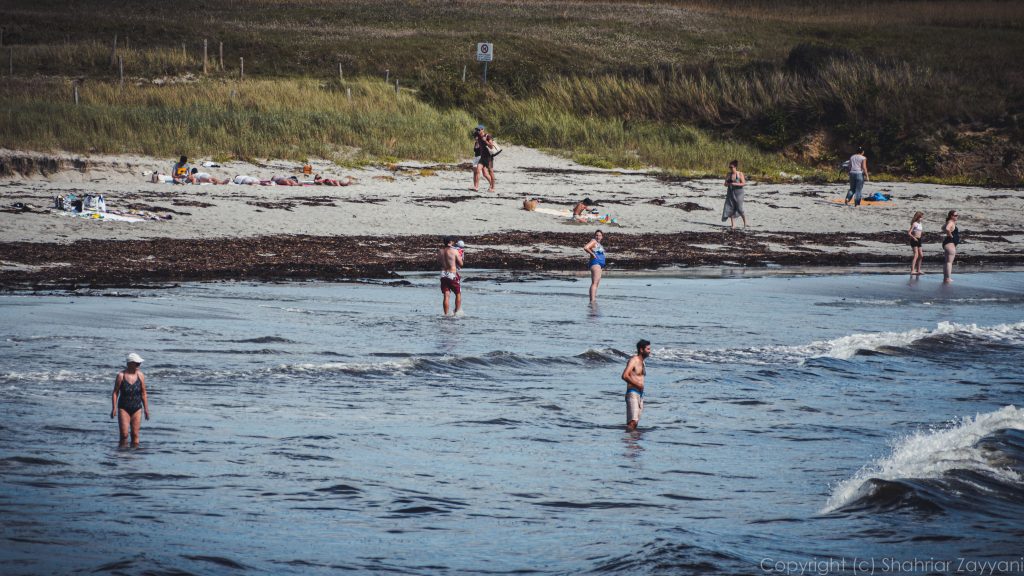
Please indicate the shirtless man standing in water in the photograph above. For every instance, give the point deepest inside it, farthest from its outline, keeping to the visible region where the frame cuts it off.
(451, 261)
(636, 370)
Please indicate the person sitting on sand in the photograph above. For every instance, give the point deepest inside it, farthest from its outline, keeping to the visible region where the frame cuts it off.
(286, 180)
(197, 177)
(530, 205)
(245, 180)
(129, 399)
(179, 172)
(581, 206)
(321, 181)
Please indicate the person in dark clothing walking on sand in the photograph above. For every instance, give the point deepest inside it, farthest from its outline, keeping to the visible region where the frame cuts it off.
(634, 375)
(734, 183)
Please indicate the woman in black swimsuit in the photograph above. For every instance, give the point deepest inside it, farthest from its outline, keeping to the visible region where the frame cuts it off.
(129, 399)
(950, 241)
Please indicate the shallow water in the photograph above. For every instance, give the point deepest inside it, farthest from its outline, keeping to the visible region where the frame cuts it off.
(314, 428)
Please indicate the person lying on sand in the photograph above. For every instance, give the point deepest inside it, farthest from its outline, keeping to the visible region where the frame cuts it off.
(321, 181)
(245, 180)
(286, 180)
(197, 177)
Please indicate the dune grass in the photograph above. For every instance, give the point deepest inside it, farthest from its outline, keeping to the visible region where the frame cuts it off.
(291, 119)
(930, 87)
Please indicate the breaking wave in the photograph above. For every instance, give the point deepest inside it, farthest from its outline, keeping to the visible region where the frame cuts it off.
(977, 463)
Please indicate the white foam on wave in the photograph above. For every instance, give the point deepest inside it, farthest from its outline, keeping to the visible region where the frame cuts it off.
(932, 453)
(58, 376)
(844, 347)
(395, 367)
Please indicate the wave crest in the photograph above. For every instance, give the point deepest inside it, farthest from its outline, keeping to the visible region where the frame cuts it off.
(974, 447)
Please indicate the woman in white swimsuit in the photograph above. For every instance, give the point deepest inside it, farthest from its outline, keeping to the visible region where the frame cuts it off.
(915, 232)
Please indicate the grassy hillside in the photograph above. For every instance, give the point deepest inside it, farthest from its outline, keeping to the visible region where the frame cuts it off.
(931, 88)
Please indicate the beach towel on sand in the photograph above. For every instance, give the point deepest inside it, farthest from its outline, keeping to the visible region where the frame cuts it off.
(841, 201)
(586, 217)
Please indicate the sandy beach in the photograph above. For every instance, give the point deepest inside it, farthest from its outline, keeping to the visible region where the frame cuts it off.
(389, 219)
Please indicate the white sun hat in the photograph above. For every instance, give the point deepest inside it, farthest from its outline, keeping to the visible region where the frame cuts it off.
(135, 358)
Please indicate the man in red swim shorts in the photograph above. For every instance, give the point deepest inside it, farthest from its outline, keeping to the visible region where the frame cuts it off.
(451, 261)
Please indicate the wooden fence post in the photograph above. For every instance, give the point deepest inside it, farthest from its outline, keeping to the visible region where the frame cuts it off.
(387, 76)
(221, 56)
(76, 93)
(120, 68)
(463, 72)
(241, 68)
(184, 53)
(113, 52)
(341, 75)
(348, 91)
(396, 86)
(204, 56)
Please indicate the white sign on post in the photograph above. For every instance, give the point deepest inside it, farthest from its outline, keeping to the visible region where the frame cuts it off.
(484, 52)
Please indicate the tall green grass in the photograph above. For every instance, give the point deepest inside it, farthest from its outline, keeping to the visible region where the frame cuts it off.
(612, 141)
(292, 119)
(913, 80)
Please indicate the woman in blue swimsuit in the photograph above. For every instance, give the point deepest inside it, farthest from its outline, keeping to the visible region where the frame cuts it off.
(596, 252)
(129, 399)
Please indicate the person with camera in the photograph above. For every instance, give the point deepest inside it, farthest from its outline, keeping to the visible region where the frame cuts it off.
(484, 150)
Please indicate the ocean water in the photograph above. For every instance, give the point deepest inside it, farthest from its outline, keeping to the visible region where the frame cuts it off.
(794, 423)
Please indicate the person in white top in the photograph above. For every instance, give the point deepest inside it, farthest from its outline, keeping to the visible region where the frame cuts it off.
(858, 175)
(915, 232)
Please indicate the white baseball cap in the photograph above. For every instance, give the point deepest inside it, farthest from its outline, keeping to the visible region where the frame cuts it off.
(135, 358)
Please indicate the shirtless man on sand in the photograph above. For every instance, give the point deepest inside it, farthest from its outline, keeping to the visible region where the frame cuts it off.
(451, 261)
(636, 370)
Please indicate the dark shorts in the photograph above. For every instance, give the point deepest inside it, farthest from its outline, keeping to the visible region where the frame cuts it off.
(487, 161)
(915, 242)
(451, 285)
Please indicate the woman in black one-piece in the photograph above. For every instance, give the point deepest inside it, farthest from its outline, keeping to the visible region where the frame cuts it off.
(129, 399)
(950, 241)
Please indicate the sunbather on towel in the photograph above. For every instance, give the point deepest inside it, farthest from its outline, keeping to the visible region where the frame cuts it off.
(321, 181)
(286, 180)
(197, 177)
(243, 179)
